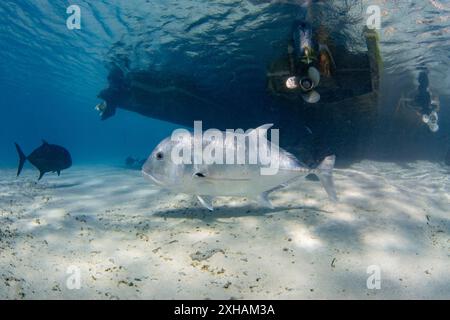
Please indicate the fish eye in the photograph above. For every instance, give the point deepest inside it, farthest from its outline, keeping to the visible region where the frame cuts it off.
(159, 156)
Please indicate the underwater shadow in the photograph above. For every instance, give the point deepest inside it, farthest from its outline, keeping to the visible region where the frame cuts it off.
(228, 212)
(63, 185)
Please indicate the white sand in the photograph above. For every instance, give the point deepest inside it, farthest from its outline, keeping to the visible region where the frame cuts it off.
(132, 241)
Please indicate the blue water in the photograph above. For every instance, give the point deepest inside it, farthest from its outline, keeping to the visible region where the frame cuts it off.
(129, 240)
(50, 76)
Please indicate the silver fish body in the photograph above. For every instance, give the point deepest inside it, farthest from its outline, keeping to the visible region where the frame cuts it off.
(207, 181)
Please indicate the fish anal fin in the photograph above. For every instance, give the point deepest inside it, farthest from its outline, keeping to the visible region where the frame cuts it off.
(325, 173)
(264, 201)
(41, 174)
(206, 201)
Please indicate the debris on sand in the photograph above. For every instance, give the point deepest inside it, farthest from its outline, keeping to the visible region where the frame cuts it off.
(205, 255)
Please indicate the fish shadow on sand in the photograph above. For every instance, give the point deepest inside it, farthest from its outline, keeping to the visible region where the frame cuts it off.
(405, 166)
(228, 212)
(63, 185)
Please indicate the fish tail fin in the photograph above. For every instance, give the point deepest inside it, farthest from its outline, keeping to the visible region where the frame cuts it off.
(22, 159)
(325, 173)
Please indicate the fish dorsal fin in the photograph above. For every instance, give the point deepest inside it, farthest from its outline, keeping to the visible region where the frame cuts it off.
(206, 201)
(44, 142)
(264, 127)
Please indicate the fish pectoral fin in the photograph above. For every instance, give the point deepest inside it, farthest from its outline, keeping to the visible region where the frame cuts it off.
(211, 179)
(206, 201)
(199, 175)
(264, 201)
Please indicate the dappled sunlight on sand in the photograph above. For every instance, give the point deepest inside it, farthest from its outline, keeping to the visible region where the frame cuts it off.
(130, 240)
(303, 238)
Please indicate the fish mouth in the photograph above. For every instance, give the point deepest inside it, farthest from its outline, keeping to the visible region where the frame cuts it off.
(152, 178)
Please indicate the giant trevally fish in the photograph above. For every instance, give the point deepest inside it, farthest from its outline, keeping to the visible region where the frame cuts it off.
(207, 181)
(46, 158)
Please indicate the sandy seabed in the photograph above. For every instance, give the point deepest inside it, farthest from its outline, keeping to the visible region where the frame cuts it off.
(128, 240)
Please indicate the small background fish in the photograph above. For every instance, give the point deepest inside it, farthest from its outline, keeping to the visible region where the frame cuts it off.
(46, 158)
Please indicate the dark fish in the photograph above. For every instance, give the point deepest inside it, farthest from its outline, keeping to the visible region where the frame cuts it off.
(130, 161)
(46, 158)
(134, 163)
